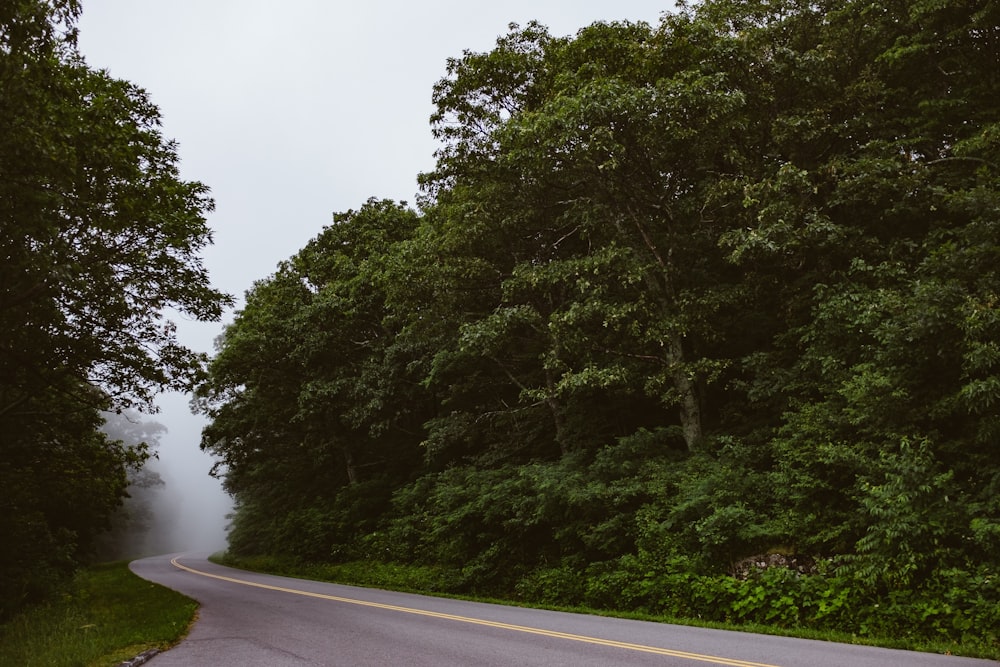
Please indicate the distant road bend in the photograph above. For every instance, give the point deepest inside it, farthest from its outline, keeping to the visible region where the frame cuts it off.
(249, 619)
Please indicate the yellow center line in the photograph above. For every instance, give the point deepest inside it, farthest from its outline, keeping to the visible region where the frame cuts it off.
(731, 662)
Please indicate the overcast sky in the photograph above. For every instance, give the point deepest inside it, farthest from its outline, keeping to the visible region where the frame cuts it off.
(291, 110)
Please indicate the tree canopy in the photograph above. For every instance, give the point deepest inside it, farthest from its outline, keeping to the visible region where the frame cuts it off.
(675, 296)
(100, 244)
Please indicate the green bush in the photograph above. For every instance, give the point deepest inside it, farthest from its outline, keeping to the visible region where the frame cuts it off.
(956, 607)
(561, 586)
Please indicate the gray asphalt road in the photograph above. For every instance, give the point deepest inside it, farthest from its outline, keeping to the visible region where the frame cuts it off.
(248, 619)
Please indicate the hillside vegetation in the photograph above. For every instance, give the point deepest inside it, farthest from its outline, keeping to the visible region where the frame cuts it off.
(674, 297)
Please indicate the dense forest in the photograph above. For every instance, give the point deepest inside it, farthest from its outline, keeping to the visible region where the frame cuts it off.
(99, 240)
(697, 319)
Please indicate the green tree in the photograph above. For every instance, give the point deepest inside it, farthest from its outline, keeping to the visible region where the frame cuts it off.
(677, 295)
(591, 179)
(100, 240)
(873, 226)
(100, 235)
(312, 407)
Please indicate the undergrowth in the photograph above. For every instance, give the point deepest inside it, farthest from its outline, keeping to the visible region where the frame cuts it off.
(776, 601)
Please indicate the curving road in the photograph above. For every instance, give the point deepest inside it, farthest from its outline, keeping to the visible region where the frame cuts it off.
(249, 619)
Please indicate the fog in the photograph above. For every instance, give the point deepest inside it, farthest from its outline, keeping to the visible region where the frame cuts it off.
(191, 508)
(173, 504)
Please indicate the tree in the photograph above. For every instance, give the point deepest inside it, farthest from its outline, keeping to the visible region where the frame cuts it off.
(590, 175)
(872, 225)
(100, 240)
(101, 236)
(311, 405)
(677, 296)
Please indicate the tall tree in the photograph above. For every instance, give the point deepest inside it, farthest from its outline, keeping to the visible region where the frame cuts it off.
(589, 174)
(678, 294)
(309, 399)
(872, 225)
(100, 240)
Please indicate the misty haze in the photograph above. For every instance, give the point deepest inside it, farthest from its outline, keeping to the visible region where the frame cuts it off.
(174, 504)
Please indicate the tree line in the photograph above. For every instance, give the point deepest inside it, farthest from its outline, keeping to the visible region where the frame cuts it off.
(676, 301)
(100, 241)
(673, 297)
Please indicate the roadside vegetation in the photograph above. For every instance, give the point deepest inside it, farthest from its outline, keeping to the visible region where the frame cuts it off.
(697, 320)
(760, 607)
(103, 616)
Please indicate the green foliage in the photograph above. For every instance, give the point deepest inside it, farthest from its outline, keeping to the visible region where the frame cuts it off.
(953, 608)
(722, 507)
(100, 238)
(62, 481)
(311, 396)
(495, 524)
(677, 296)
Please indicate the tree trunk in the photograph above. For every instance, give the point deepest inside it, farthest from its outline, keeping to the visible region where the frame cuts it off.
(352, 471)
(690, 406)
(557, 418)
(684, 384)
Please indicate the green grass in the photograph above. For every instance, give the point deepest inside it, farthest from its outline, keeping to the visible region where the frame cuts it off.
(105, 616)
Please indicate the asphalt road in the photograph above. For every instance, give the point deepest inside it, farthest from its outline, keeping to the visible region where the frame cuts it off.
(248, 619)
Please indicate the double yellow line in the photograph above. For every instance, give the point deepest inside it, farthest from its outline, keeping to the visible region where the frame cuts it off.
(731, 662)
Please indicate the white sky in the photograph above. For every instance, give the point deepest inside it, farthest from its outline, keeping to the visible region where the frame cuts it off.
(291, 110)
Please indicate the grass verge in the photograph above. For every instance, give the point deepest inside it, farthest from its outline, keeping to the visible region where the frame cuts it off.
(105, 616)
(435, 581)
